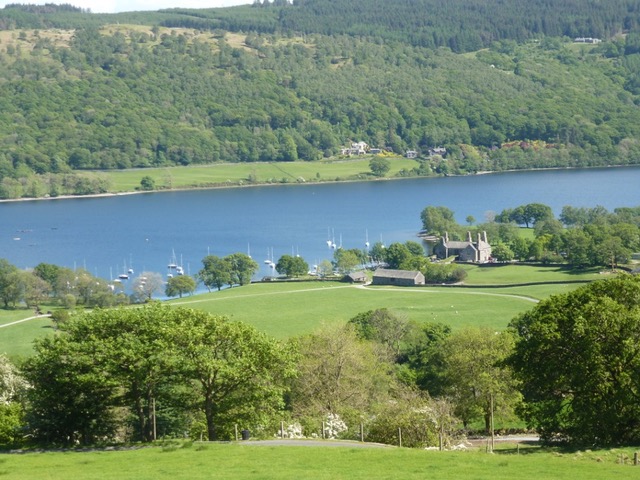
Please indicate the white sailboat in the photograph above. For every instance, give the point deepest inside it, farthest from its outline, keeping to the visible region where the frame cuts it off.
(269, 261)
(172, 261)
(124, 275)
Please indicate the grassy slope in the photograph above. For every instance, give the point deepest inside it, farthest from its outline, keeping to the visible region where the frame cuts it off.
(240, 461)
(294, 309)
(286, 309)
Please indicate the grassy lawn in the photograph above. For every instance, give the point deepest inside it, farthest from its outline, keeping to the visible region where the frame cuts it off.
(247, 461)
(237, 174)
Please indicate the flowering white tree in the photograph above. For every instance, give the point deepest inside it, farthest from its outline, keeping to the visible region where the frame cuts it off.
(11, 387)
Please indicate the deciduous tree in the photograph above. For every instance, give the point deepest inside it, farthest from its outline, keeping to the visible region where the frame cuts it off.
(292, 266)
(180, 285)
(577, 356)
(216, 272)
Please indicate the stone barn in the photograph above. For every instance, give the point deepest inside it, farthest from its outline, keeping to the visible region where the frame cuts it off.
(404, 278)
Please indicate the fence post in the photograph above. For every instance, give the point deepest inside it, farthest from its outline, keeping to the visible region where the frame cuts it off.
(236, 429)
(635, 459)
(361, 432)
(399, 436)
(281, 429)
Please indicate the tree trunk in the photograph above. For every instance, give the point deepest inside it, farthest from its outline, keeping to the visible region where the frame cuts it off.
(210, 417)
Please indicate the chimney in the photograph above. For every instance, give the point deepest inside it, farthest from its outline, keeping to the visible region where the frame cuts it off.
(479, 239)
(484, 236)
(469, 237)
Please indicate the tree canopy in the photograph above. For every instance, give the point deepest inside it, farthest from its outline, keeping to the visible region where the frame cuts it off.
(160, 366)
(577, 356)
(280, 95)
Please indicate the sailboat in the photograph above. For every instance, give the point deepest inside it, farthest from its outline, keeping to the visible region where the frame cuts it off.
(172, 262)
(269, 261)
(124, 275)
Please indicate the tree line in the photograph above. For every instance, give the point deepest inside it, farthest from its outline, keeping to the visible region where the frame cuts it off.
(580, 237)
(461, 26)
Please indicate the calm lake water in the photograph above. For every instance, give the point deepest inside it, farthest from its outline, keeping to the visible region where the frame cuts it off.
(144, 232)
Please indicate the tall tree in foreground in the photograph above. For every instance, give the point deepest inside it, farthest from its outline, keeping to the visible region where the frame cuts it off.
(578, 358)
(240, 373)
(112, 371)
(475, 375)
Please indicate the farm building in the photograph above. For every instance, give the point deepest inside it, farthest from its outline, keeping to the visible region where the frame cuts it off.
(356, 277)
(404, 278)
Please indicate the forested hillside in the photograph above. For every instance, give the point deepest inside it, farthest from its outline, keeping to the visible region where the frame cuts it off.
(462, 25)
(110, 95)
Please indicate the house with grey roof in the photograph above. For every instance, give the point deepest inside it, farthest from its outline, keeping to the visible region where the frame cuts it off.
(356, 277)
(464, 251)
(404, 278)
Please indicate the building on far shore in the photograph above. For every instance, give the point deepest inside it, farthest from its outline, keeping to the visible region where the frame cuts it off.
(404, 278)
(467, 251)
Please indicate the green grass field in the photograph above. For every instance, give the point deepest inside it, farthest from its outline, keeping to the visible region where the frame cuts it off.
(287, 309)
(294, 308)
(247, 461)
(234, 174)
(509, 274)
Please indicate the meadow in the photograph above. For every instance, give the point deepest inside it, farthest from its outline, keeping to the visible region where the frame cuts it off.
(286, 309)
(234, 174)
(263, 461)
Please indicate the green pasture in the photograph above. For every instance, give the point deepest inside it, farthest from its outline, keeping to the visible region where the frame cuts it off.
(234, 174)
(259, 461)
(285, 309)
(16, 340)
(509, 274)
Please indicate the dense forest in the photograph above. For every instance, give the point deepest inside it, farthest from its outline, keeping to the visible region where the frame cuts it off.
(284, 82)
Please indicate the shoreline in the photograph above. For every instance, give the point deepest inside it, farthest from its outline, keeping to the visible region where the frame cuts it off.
(223, 186)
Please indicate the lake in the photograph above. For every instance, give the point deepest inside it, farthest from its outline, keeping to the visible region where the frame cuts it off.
(146, 232)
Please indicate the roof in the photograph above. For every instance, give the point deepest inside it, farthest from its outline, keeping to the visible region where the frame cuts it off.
(388, 273)
(357, 276)
(457, 244)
